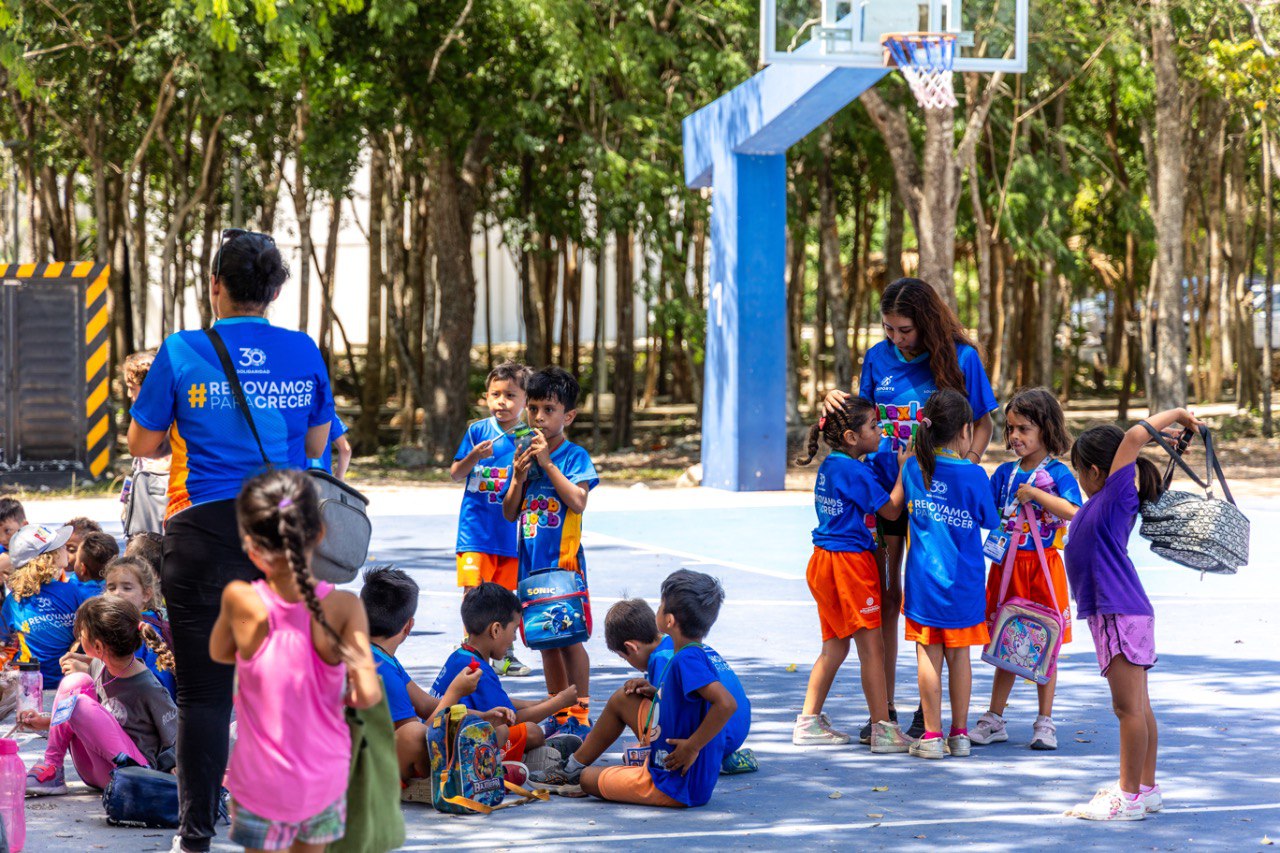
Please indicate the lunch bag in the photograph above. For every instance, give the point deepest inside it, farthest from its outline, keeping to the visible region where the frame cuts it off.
(1026, 635)
(1200, 532)
(467, 776)
(140, 796)
(555, 610)
(345, 546)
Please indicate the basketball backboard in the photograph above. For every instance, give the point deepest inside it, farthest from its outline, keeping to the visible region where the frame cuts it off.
(991, 35)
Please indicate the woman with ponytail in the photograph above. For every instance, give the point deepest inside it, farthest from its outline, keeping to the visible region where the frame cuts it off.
(108, 702)
(188, 399)
(948, 504)
(925, 348)
(1109, 595)
(301, 651)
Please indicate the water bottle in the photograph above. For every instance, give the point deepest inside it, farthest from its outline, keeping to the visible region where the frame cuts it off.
(13, 790)
(30, 687)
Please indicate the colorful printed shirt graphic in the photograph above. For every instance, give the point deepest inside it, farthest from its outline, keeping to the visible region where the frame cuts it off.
(900, 388)
(846, 496)
(187, 393)
(1056, 479)
(481, 526)
(550, 532)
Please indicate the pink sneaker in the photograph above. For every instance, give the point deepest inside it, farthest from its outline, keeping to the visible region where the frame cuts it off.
(45, 780)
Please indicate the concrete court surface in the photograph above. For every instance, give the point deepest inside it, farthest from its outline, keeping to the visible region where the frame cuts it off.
(1216, 691)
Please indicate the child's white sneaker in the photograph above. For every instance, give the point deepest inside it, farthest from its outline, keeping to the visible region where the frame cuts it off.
(1152, 801)
(887, 738)
(959, 746)
(813, 729)
(989, 729)
(933, 747)
(1044, 733)
(1110, 804)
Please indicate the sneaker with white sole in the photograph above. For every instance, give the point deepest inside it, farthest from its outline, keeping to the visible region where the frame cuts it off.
(928, 748)
(45, 780)
(916, 730)
(989, 729)
(416, 791)
(564, 743)
(864, 734)
(816, 729)
(559, 781)
(959, 746)
(510, 666)
(1152, 800)
(1110, 805)
(887, 738)
(1044, 734)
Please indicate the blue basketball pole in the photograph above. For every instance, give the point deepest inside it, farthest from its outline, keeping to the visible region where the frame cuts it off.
(737, 146)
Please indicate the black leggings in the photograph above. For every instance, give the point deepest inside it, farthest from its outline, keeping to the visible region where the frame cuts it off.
(202, 554)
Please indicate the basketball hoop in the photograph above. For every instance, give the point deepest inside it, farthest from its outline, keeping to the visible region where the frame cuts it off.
(925, 59)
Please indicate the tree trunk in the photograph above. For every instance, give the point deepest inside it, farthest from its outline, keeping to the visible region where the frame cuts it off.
(797, 245)
(624, 362)
(893, 241)
(1047, 301)
(326, 280)
(832, 276)
(1168, 383)
(599, 358)
(371, 393)
(1269, 255)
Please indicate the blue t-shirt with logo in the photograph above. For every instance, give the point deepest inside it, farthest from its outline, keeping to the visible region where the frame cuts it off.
(945, 581)
(44, 624)
(481, 525)
(395, 684)
(899, 389)
(550, 532)
(846, 496)
(489, 693)
(1004, 487)
(187, 393)
(735, 731)
(337, 429)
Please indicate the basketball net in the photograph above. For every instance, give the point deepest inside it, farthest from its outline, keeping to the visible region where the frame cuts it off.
(925, 61)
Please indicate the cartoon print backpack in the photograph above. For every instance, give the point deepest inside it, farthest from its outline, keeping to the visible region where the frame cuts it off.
(466, 765)
(555, 609)
(1026, 635)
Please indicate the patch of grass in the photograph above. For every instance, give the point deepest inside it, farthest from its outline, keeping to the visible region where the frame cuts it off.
(104, 487)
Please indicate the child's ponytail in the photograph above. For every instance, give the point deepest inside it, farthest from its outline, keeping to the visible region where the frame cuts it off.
(1150, 483)
(150, 636)
(944, 417)
(31, 578)
(852, 416)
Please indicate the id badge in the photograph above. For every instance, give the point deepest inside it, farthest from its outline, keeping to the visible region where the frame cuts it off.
(996, 548)
(62, 710)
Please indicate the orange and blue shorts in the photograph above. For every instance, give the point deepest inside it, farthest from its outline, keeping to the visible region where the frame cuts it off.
(951, 638)
(846, 586)
(1027, 581)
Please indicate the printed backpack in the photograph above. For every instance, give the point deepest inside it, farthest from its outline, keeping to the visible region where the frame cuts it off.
(555, 609)
(467, 776)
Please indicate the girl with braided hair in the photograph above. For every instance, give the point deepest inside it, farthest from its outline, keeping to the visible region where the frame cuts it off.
(301, 651)
(108, 702)
(844, 577)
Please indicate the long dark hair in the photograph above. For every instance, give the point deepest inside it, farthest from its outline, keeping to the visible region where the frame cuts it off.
(939, 328)
(118, 625)
(1096, 448)
(250, 267)
(1039, 406)
(852, 416)
(944, 417)
(280, 511)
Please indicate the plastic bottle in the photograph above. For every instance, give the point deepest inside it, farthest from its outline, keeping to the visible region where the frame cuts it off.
(13, 790)
(31, 687)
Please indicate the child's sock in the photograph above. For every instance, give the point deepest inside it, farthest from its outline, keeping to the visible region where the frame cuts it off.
(955, 732)
(1127, 795)
(581, 711)
(931, 735)
(573, 766)
(1147, 789)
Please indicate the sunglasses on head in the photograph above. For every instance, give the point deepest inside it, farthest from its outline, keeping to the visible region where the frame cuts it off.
(229, 234)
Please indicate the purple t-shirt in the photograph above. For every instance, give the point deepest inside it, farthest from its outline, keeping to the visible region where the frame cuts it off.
(1097, 553)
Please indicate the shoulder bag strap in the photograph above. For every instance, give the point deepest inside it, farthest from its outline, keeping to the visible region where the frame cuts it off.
(236, 389)
(1007, 574)
(1214, 466)
(1044, 561)
(1174, 455)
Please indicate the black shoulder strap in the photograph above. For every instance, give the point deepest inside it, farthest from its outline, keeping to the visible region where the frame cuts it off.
(232, 377)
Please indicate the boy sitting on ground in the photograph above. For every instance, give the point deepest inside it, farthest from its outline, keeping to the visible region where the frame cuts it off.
(490, 614)
(702, 714)
(95, 551)
(391, 599)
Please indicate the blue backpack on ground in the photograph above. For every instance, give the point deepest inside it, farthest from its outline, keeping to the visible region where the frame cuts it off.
(466, 765)
(141, 796)
(555, 609)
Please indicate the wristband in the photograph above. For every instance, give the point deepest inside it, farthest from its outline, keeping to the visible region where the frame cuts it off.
(977, 457)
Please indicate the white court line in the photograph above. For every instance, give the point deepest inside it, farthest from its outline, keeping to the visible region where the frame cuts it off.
(792, 829)
(608, 599)
(696, 559)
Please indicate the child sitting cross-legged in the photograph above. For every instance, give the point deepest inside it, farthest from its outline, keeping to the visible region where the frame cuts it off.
(391, 599)
(697, 717)
(631, 632)
(490, 615)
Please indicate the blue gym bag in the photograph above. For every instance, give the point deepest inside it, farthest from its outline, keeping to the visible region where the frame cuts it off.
(555, 609)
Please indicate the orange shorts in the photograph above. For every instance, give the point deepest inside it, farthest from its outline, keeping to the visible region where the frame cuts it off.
(517, 738)
(475, 568)
(951, 638)
(620, 784)
(1027, 581)
(846, 585)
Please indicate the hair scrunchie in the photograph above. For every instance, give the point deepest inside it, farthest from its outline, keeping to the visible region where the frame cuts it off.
(925, 422)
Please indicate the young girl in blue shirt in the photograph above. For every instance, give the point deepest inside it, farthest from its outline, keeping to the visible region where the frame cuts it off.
(948, 502)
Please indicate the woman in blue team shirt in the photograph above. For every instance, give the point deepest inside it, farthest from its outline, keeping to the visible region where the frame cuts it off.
(186, 397)
(925, 348)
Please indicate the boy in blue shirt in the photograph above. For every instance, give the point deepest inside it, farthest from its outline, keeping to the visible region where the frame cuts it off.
(490, 615)
(12, 519)
(486, 539)
(95, 552)
(390, 598)
(550, 482)
(631, 632)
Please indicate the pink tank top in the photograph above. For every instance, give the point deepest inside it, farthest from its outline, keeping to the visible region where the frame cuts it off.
(293, 750)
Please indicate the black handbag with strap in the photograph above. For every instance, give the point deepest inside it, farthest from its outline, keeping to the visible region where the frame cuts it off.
(343, 510)
(1198, 531)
